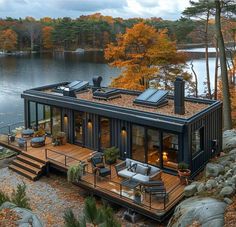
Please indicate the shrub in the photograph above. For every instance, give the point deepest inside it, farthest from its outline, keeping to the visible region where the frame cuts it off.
(70, 219)
(19, 197)
(75, 173)
(4, 198)
(111, 154)
(182, 166)
(93, 215)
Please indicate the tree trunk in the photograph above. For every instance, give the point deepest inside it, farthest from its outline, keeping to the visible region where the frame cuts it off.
(216, 71)
(207, 57)
(196, 79)
(224, 73)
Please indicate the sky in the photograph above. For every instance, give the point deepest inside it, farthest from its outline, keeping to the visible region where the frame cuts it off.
(166, 9)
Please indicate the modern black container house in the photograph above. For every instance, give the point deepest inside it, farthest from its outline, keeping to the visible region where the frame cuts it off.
(151, 127)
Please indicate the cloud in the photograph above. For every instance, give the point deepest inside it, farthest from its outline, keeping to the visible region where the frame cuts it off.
(91, 5)
(167, 9)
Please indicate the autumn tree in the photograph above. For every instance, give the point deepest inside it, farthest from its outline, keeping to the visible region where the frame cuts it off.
(47, 37)
(32, 29)
(230, 6)
(202, 10)
(143, 53)
(8, 40)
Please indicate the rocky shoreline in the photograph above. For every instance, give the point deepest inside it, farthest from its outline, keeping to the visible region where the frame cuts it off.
(208, 197)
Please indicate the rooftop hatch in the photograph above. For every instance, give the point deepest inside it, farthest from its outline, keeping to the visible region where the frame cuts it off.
(152, 98)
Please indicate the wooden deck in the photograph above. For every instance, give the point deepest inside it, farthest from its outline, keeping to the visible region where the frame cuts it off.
(61, 157)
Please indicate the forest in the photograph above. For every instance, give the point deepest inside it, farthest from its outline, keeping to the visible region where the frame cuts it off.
(96, 31)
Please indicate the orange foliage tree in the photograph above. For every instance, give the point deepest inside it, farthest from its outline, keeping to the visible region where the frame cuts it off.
(47, 37)
(8, 40)
(143, 53)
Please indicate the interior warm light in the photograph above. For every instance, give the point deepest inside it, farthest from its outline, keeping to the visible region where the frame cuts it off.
(164, 156)
(123, 131)
(89, 123)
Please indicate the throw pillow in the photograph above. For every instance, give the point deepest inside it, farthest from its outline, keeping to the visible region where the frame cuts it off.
(142, 169)
(132, 168)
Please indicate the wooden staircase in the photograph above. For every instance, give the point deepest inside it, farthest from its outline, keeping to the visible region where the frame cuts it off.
(28, 166)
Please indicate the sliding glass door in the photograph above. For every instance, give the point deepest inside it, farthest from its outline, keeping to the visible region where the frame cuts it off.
(138, 143)
(105, 133)
(78, 127)
(153, 147)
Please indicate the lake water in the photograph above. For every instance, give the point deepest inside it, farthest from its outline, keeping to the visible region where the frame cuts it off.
(18, 73)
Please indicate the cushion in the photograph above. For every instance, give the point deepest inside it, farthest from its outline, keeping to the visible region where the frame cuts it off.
(125, 173)
(154, 170)
(127, 163)
(133, 167)
(100, 165)
(141, 178)
(97, 160)
(142, 169)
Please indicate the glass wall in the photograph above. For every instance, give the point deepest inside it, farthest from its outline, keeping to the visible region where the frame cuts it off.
(56, 120)
(78, 127)
(32, 114)
(197, 141)
(138, 143)
(44, 118)
(153, 148)
(105, 133)
(170, 150)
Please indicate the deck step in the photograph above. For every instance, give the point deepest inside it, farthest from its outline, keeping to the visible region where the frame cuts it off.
(28, 167)
(30, 161)
(33, 157)
(23, 172)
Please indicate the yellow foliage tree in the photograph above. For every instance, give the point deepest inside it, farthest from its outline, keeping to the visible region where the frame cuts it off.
(143, 53)
(8, 40)
(47, 37)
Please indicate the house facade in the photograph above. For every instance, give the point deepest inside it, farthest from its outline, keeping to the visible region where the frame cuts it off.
(152, 127)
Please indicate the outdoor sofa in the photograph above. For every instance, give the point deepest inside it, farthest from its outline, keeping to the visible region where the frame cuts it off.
(139, 171)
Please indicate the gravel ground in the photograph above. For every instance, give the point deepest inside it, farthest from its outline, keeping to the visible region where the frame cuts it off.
(49, 197)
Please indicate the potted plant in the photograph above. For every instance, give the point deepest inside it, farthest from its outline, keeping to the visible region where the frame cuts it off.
(75, 172)
(111, 154)
(183, 170)
(137, 196)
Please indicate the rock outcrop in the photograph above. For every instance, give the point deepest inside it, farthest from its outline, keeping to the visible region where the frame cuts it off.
(27, 218)
(208, 212)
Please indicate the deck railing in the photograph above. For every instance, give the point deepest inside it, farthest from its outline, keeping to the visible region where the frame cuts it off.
(92, 179)
(56, 156)
(9, 135)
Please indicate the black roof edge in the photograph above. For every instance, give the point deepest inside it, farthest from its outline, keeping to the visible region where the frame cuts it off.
(75, 101)
(131, 92)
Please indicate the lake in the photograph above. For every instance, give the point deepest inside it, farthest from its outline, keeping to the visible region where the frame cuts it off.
(18, 73)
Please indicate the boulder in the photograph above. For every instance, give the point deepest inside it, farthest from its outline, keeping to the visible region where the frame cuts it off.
(212, 182)
(227, 191)
(27, 218)
(213, 169)
(228, 200)
(207, 211)
(229, 139)
(190, 190)
(201, 187)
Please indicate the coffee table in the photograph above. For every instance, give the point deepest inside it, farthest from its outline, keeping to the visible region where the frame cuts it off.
(129, 183)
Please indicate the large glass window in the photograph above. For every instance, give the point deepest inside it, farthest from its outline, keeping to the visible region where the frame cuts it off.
(32, 114)
(170, 150)
(105, 133)
(78, 127)
(197, 141)
(44, 118)
(138, 143)
(56, 120)
(153, 138)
